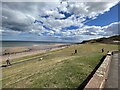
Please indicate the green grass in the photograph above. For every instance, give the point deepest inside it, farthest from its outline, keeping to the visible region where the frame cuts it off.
(70, 73)
(58, 68)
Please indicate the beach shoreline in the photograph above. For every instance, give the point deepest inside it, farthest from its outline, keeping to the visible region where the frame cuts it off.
(18, 52)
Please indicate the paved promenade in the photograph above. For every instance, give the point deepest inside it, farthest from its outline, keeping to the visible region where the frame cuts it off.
(112, 81)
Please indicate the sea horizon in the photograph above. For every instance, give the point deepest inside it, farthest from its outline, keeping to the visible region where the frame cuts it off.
(7, 43)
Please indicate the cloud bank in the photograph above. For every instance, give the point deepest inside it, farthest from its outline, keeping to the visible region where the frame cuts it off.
(54, 20)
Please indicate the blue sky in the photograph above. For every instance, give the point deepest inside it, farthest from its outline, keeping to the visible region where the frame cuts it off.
(58, 21)
(106, 18)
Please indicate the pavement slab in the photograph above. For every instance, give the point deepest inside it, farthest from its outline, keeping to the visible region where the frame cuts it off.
(112, 80)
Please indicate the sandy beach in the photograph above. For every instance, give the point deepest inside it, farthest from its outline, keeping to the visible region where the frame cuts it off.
(18, 52)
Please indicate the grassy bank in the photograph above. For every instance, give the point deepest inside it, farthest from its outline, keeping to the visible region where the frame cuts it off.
(60, 68)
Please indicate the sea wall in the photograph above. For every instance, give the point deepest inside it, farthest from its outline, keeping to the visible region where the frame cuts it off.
(100, 76)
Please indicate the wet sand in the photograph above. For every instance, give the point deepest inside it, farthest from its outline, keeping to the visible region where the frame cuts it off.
(18, 52)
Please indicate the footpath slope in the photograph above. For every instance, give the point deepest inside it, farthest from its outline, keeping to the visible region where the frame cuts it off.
(112, 81)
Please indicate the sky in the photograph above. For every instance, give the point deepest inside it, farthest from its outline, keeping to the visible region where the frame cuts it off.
(61, 21)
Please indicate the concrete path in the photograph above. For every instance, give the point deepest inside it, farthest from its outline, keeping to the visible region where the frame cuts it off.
(112, 81)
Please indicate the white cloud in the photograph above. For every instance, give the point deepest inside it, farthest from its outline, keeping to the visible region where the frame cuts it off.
(54, 16)
(97, 31)
(108, 30)
(90, 9)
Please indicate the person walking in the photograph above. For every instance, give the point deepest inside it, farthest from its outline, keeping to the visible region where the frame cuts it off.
(102, 50)
(75, 51)
(8, 61)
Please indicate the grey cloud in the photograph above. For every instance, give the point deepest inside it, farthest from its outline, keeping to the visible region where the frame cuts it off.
(14, 20)
(19, 16)
(112, 29)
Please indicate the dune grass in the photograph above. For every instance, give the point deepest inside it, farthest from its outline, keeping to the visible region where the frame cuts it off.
(58, 69)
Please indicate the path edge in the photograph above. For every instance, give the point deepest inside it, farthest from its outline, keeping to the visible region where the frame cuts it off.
(101, 75)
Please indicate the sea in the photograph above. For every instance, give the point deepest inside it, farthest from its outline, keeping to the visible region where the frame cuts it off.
(29, 43)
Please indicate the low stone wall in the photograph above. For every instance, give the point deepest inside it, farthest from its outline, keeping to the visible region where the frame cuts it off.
(100, 76)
